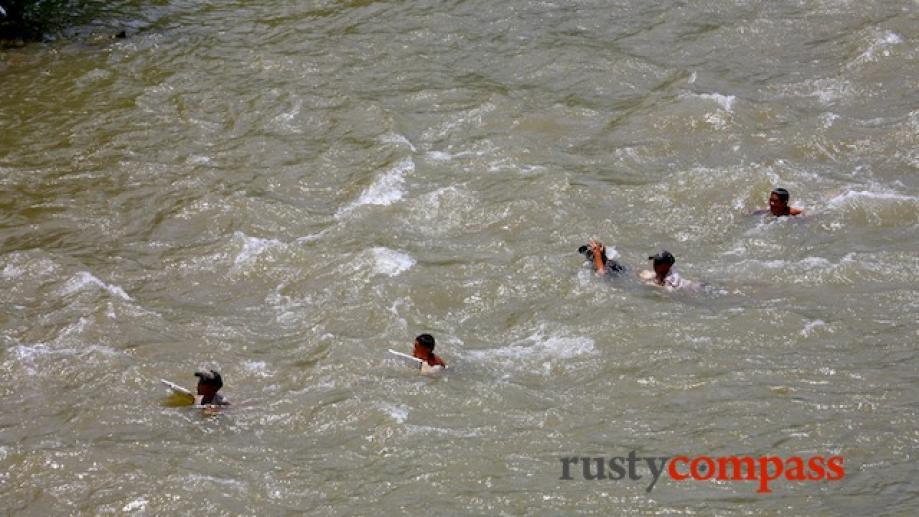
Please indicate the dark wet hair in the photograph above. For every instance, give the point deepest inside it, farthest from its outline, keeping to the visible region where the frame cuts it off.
(782, 193)
(210, 378)
(426, 340)
(664, 257)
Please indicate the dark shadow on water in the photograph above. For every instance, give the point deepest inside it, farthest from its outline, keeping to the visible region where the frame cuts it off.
(28, 21)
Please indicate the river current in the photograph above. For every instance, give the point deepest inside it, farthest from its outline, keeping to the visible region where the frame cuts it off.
(283, 189)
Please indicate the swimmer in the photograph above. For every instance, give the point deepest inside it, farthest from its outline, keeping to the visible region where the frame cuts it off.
(424, 350)
(664, 275)
(209, 383)
(778, 204)
(595, 253)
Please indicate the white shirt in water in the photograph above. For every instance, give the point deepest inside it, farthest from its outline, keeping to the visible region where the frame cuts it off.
(418, 363)
(672, 281)
(217, 401)
(427, 369)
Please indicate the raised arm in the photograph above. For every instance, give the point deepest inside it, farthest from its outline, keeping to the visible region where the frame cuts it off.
(598, 250)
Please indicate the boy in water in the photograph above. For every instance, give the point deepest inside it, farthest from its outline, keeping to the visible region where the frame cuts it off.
(778, 204)
(595, 253)
(209, 383)
(424, 350)
(664, 275)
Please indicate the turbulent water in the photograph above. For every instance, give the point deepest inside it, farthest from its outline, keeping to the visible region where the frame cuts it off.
(282, 190)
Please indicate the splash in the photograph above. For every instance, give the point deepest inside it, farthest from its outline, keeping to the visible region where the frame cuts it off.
(398, 413)
(853, 195)
(253, 247)
(880, 45)
(395, 138)
(725, 101)
(386, 190)
(538, 347)
(390, 262)
(84, 279)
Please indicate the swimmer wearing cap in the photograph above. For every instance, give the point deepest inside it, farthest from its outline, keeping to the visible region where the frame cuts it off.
(778, 204)
(664, 275)
(424, 350)
(209, 383)
(595, 253)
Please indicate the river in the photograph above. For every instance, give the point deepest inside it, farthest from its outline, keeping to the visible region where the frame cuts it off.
(282, 190)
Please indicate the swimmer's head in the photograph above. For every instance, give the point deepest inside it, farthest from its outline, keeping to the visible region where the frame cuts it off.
(664, 257)
(662, 263)
(425, 341)
(781, 193)
(778, 201)
(209, 382)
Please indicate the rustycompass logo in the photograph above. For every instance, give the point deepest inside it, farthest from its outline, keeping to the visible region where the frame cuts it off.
(761, 469)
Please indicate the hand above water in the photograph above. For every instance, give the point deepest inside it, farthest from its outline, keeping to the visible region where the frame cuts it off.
(598, 250)
(596, 246)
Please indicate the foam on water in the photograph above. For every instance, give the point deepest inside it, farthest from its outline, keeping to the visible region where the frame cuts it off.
(85, 279)
(395, 138)
(586, 277)
(725, 101)
(253, 247)
(288, 308)
(612, 252)
(880, 44)
(137, 505)
(806, 263)
(75, 328)
(394, 310)
(428, 430)
(440, 156)
(399, 413)
(310, 238)
(537, 347)
(390, 262)
(386, 190)
(11, 271)
(27, 356)
(259, 368)
(197, 159)
(203, 479)
(473, 116)
(828, 118)
(285, 120)
(829, 91)
(807, 270)
(853, 195)
(444, 156)
(810, 326)
(445, 210)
